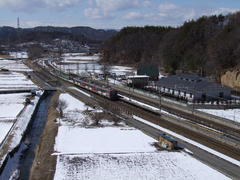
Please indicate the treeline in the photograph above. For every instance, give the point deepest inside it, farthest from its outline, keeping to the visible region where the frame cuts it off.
(82, 34)
(208, 46)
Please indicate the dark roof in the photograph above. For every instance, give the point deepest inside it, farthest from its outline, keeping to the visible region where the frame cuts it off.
(168, 138)
(150, 70)
(190, 83)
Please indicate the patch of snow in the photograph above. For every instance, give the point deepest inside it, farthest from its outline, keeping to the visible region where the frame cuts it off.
(20, 125)
(5, 128)
(10, 105)
(122, 70)
(77, 59)
(223, 156)
(14, 65)
(19, 55)
(119, 153)
(232, 114)
(75, 140)
(141, 166)
(73, 104)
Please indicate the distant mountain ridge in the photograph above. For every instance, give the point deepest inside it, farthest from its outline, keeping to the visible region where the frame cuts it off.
(82, 32)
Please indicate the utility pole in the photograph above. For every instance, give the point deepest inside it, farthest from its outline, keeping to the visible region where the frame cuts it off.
(160, 101)
(18, 35)
(18, 23)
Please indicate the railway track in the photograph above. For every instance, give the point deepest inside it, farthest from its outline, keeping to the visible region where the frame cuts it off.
(171, 108)
(125, 110)
(129, 109)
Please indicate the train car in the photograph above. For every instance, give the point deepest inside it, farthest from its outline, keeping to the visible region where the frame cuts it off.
(103, 91)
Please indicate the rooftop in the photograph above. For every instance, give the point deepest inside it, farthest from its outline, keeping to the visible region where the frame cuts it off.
(138, 76)
(190, 83)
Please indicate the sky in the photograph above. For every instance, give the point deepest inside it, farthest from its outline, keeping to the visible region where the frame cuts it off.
(109, 14)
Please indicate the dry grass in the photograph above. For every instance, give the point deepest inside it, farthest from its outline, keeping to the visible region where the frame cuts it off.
(5, 56)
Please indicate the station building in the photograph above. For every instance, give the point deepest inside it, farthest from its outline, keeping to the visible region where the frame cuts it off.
(192, 87)
(138, 81)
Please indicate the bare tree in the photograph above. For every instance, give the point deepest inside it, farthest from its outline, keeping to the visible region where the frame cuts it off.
(61, 106)
(97, 117)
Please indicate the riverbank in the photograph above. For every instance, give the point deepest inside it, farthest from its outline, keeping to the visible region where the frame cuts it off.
(16, 133)
(44, 163)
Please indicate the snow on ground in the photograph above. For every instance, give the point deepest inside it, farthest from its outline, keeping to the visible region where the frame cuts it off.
(223, 156)
(19, 55)
(13, 80)
(140, 166)
(75, 58)
(20, 125)
(73, 104)
(117, 152)
(75, 140)
(14, 65)
(232, 114)
(10, 105)
(22, 122)
(122, 70)
(74, 54)
(81, 62)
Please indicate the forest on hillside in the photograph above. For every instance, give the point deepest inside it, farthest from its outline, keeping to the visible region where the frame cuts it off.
(82, 34)
(208, 46)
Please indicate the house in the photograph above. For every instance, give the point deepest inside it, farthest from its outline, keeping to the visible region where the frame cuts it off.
(150, 70)
(138, 81)
(192, 87)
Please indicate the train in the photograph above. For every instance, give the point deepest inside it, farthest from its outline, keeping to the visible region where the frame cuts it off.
(107, 92)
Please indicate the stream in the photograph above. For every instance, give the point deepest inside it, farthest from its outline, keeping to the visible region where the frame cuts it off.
(19, 163)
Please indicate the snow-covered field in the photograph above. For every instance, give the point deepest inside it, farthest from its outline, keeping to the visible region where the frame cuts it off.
(116, 152)
(10, 105)
(14, 65)
(140, 166)
(19, 127)
(220, 155)
(122, 70)
(232, 114)
(80, 62)
(19, 55)
(13, 80)
(80, 57)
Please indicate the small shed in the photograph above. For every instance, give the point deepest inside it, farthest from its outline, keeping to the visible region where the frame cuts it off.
(150, 70)
(138, 81)
(167, 142)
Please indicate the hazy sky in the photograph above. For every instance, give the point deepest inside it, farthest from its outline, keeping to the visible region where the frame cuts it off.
(109, 13)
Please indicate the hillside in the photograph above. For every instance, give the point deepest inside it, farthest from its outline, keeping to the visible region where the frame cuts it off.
(48, 33)
(208, 46)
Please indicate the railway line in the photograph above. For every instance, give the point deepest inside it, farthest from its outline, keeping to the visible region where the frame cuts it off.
(126, 110)
(230, 128)
(190, 119)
